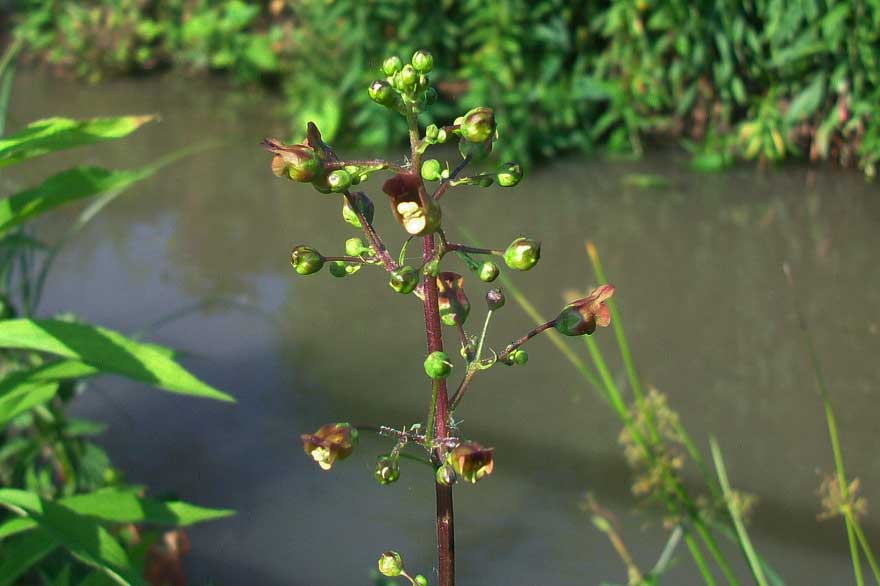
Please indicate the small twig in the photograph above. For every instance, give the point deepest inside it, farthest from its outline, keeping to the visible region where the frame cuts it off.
(378, 164)
(522, 340)
(462, 388)
(351, 259)
(372, 236)
(445, 184)
(454, 246)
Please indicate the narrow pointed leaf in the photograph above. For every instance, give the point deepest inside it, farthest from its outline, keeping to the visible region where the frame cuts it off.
(56, 134)
(21, 554)
(82, 536)
(125, 506)
(65, 187)
(15, 526)
(106, 350)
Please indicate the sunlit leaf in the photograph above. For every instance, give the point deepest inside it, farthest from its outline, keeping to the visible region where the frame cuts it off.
(125, 506)
(84, 537)
(107, 351)
(63, 188)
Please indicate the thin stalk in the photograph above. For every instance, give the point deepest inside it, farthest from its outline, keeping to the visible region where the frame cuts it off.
(509, 349)
(834, 439)
(446, 184)
(866, 549)
(698, 559)
(472, 249)
(372, 236)
(440, 414)
(744, 542)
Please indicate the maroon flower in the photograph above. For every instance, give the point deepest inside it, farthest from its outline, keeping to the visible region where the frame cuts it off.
(471, 461)
(413, 209)
(453, 303)
(334, 441)
(584, 315)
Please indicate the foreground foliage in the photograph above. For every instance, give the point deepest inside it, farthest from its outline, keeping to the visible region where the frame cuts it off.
(68, 516)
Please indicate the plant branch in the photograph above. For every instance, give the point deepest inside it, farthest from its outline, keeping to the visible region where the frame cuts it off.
(453, 246)
(372, 236)
(525, 338)
(446, 183)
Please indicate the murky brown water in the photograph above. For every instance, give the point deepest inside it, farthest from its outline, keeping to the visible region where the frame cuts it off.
(697, 270)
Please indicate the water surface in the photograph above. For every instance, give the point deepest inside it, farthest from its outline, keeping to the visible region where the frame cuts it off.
(697, 266)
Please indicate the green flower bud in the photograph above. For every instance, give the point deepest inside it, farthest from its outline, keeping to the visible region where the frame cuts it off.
(488, 271)
(404, 279)
(305, 260)
(420, 580)
(355, 247)
(431, 132)
(338, 269)
(509, 175)
(339, 180)
(363, 204)
(437, 365)
(478, 125)
(391, 564)
(299, 162)
(382, 93)
(392, 65)
(445, 475)
(407, 78)
(441, 136)
(387, 470)
(422, 61)
(431, 170)
(519, 356)
(495, 299)
(522, 254)
(431, 268)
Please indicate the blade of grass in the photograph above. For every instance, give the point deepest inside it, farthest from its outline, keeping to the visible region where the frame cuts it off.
(744, 542)
(834, 439)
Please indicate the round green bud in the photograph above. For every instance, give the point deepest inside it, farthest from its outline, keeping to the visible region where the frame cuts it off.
(445, 475)
(431, 170)
(387, 470)
(420, 580)
(522, 254)
(391, 564)
(392, 65)
(478, 125)
(382, 93)
(431, 268)
(407, 78)
(431, 132)
(355, 247)
(339, 180)
(509, 175)
(495, 299)
(488, 271)
(519, 357)
(437, 365)
(338, 269)
(442, 136)
(404, 280)
(305, 260)
(422, 61)
(363, 204)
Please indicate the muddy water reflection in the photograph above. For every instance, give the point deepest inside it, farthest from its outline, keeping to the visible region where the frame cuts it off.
(697, 269)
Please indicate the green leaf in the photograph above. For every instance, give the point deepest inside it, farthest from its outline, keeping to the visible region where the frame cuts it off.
(15, 526)
(62, 188)
(24, 396)
(125, 506)
(806, 102)
(107, 351)
(84, 537)
(55, 134)
(20, 554)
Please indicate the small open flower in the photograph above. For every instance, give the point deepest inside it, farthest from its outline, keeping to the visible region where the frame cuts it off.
(584, 315)
(334, 441)
(418, 213)
(471, 461)
(454, 304)
(302, 162)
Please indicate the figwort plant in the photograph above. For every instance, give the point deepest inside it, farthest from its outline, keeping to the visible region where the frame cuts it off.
(405, 88)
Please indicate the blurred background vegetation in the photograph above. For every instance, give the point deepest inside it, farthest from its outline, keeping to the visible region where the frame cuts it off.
(761, 80)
